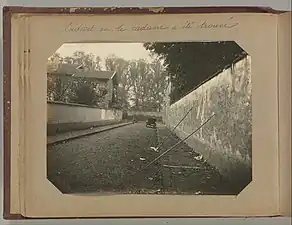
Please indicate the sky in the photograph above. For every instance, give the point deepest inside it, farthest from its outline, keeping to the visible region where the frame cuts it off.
(128, 51)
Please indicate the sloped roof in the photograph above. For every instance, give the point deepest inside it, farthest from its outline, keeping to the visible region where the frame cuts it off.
(76, 71)
(66, 68)
(95, 74)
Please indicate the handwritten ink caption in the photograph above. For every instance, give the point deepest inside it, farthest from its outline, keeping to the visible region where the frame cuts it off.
(82, 27)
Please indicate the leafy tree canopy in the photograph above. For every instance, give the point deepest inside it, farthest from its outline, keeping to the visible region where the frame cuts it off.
(141, 83)
(188, 64)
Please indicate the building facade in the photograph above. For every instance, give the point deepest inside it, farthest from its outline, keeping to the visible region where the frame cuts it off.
(65, 76)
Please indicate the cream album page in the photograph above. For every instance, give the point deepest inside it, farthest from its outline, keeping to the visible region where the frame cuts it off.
(145, 115)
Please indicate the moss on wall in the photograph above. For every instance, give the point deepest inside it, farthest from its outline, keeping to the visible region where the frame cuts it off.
(226, 140)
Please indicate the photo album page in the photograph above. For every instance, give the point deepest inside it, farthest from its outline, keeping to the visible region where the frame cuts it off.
(149, 115)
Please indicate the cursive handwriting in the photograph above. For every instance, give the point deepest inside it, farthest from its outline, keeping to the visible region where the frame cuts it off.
(229, 24)
(82, 27)
(121, 28)
(147, 27)
(188, 24)
(79, 28)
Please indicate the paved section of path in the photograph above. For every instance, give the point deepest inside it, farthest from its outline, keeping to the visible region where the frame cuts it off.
(79, 133)
(110, 162)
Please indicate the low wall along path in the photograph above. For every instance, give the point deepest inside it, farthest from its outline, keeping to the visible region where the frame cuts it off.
(63, 117)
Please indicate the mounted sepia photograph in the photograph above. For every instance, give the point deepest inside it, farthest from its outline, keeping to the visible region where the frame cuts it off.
(149, 118)
(171, 112)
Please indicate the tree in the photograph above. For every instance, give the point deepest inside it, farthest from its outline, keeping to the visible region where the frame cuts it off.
(148, 82)
(89, 61)
(87, 92)
(53, 62)
(59, 88)
(190, 63)
(139, 82)
(158, 83)
(64, 88)
(121, 67)
(55, 87)
(139, 74)
(51, 87)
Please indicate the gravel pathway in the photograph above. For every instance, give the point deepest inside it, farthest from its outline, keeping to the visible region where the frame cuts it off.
(110, 161)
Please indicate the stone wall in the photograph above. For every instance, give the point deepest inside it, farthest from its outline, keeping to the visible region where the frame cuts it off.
(62, 117)
(226, 140)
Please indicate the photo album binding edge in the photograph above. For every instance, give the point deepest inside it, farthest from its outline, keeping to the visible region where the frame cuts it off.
(8, 12)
